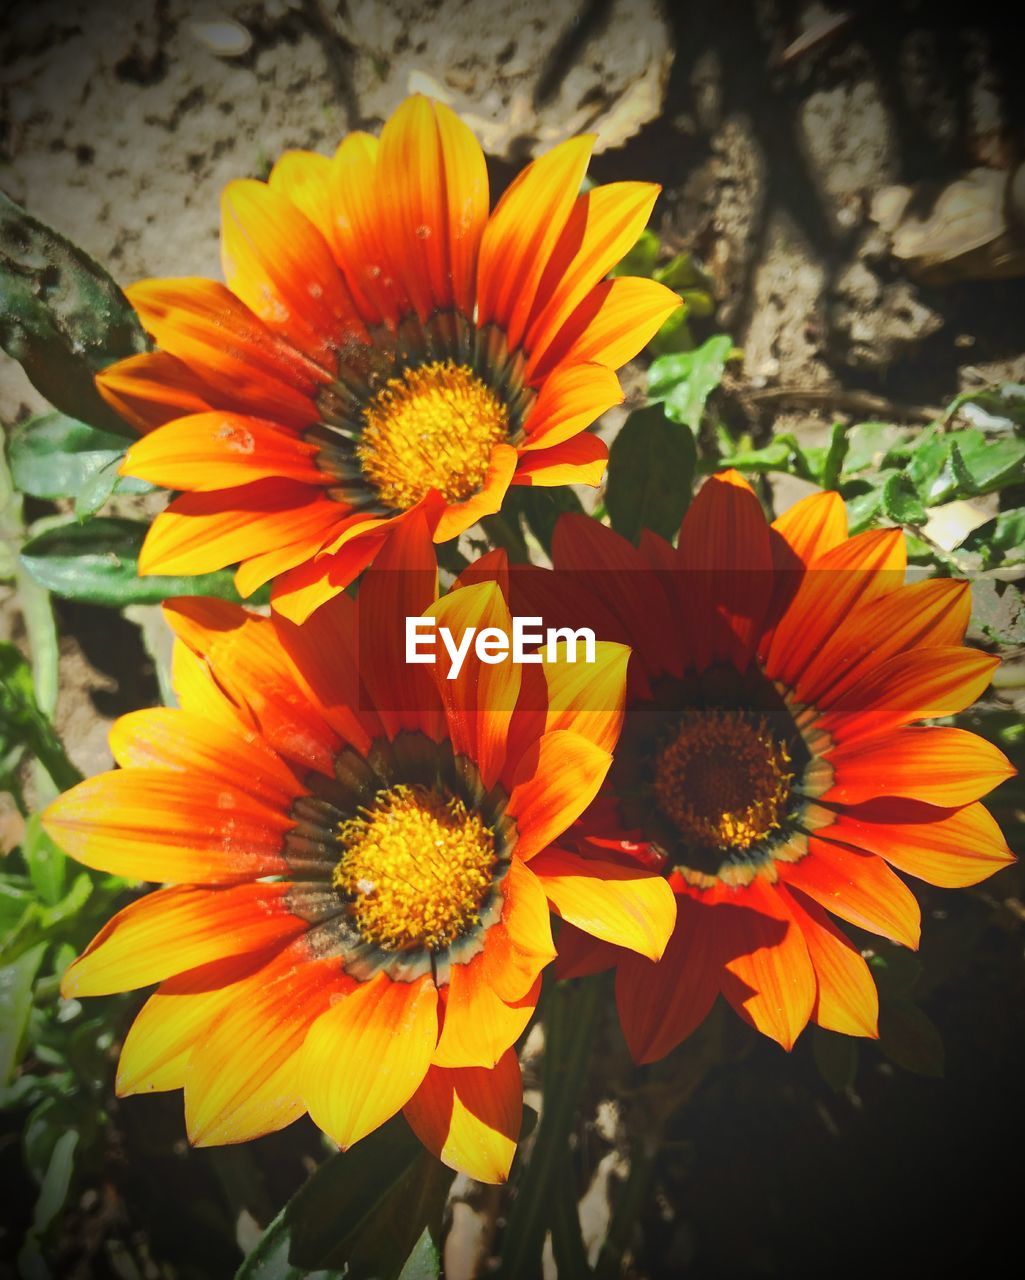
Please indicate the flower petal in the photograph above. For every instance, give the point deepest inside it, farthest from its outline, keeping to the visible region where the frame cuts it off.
(579, 460)
(769, 979)
(621, 904)
(604, 224)
(661, 1004)
(203, 324)
(278, 263)
(433, 170)
(814, 525)
(614, 322)
(155, 387)
(155, 824)
(552, 785)
(368, 1054)
(569, 401)
(202, 532)
(947, 847)
(207, 451)
(156, 1051)
(181, 928)
(522, 233)
(859, 888)
(939, 765)
(479, 1026)
(470, 1117)
(243, 1077)
(846, 1000)
(588, 697)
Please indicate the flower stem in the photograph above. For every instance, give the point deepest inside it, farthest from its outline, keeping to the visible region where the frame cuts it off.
(571, 1016)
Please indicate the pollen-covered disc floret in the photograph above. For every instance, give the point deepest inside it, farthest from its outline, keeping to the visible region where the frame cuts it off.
(723, 779)
(416, 866)
(432, 427)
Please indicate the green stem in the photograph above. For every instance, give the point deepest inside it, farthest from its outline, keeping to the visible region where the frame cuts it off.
(571, 1015)
(503, 530)
(49, 751)
(628, 1207)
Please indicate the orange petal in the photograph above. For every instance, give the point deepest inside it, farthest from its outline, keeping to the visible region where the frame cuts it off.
(603, 226)
(569, 401)
(433, 170)
(470, 1117)
(950, 848)
(520, 945)
(932, 613)
(218, 450)
(278, 263)
(553, 784)
(624, 905)
(201, 532)
(218, 337)
(243, 1078)
(156, 1051)
(168, 738)
(588, 697)
(368, 1054)
(155, 824)
(725, 559)
(847, 1000)
(918, 684)
(859, 888)
(153, 388)
(301, 590)
(939, 765)
(858, 570)
(769, 979)
(581, 460)
(615, 321)
(176, 929)
(522, 233)
(661, 1004)
(479, 1026)
(304, 178)
(813, 526)
(246, 658)
(457, 517)
(480, 700)
(199, 694)
(580, 954)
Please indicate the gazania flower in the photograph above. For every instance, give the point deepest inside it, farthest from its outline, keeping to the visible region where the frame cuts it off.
(358, 912)
(381, 339)
(769, 761)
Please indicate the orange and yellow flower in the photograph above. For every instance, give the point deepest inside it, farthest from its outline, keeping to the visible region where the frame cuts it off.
(769, 759)
(358, 885)
(382, 339)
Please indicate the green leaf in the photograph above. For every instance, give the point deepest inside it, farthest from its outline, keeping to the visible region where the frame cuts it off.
(686, 379)
(46, 862)
(16, 981)
(61, 316)
(542, 507)
(424, 1263)
(22, 724)
(900, 501)
(836, 1057)
(364, 1211)
(98, 562)
(1000, 541)
(55, 456)
(784, 453)
(651, 467)
(641, 259)
(829, 477)
(909, 1038)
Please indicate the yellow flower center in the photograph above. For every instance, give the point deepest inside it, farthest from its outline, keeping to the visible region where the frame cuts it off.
(432, 428)
(723, 779)
(416, 867)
